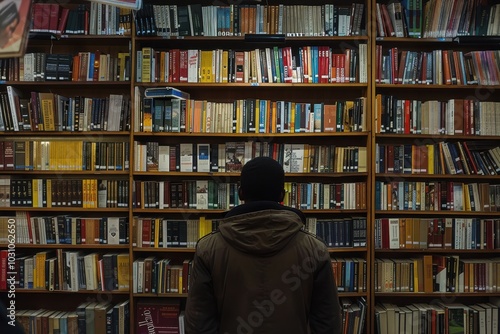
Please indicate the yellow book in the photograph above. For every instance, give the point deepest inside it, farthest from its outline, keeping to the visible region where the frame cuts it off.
(362, 160)
(416, 264)
(206, 66)
(93, 156)
(225, 65)
(291, 117)
(85, 200)
(238, 116)
(273, 117)
(34, 185)
(147, 53)
(466, 199)
(257, 116)
(49, 193)
(123, 272)
(202, 227)
(47, 111)
(430, 159)
(156, 221)
(122, 57)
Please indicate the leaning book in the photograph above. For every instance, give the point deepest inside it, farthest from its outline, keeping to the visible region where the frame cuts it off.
(15, 18)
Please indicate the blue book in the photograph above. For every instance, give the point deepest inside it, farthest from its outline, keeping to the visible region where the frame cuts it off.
(262, 116)
(166, 92)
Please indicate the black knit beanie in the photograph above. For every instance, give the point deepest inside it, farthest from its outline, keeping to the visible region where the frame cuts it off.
(262, 179)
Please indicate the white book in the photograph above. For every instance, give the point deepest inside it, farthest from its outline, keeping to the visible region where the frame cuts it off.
(193, 64)
(113, 230)
(297, 159)
(202, 194)
(203, 158)
(13, 96)
(140, 276)
(394, 233)
(186, 157)
(163, 158)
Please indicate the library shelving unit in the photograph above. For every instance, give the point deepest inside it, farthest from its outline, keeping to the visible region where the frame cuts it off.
(435, 180)
(236, 110)
(65, 147)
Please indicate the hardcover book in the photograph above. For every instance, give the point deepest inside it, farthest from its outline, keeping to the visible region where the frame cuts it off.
(161, 317)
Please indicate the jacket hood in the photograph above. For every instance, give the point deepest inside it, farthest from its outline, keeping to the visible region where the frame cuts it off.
(264, 232)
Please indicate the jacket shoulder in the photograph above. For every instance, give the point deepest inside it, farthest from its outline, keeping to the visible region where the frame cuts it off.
(207, 239)
(313, 237)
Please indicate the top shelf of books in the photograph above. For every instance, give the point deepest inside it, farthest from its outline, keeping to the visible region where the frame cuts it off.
(311, 21)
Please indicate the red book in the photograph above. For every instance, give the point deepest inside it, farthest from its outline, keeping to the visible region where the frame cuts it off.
(183, 66)
(490, 235)
(162, 316)
(175, 57)
(407, 117)
(54, 17)
(63, 19)
(466, 117)
(146, 232)
(240, 66)
(186, 264)
(3, 269)
(389, 159)
(2, 155)
(8, 155)
(83, 231)
(385, 233)
(458, 117)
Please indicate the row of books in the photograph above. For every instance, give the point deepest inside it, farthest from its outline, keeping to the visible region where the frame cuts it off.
(58, 155)
(80, 66)
(341, 232)
(59, 270)
(231, 156)
(66, 230)
(305, 64)
(440, 158)
(437, 67)
(209, 194)
(437, 19)
(451, 117)
(237, 20)
(443, 233)
(51, 193)
(436, 273)
(46, 111)
(99, 19)
(151, 232)
(353, 315)
(99, 66)
(249, 116)
(399, 20)
(96, 317)
(350, 274)
(158, 276)
(437, 196)
(440, 317)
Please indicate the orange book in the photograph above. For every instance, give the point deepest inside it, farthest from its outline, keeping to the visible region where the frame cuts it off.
(197, 111)
(428, 282)
(329, 117)
(446, 68)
